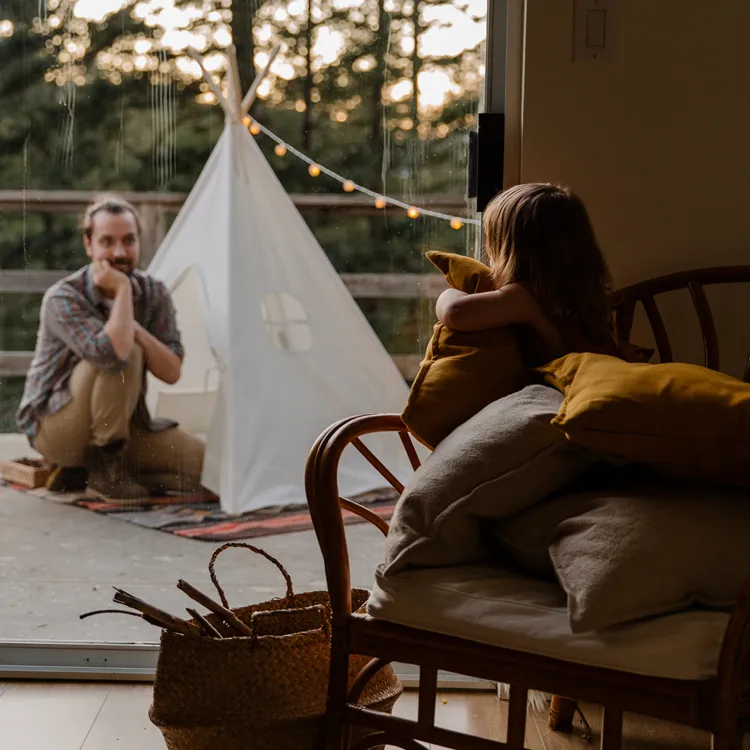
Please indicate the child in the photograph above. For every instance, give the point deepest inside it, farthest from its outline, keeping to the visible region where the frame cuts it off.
(551, 279)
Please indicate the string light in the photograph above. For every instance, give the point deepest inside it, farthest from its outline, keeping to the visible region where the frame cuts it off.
(381, 201)
(247, 121)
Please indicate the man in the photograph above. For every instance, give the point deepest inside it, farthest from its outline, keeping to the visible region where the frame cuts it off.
(100, 330)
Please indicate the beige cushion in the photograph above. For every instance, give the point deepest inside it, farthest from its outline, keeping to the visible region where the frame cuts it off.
(495, 607)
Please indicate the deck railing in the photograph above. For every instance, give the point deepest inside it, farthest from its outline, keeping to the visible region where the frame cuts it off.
(154, 209)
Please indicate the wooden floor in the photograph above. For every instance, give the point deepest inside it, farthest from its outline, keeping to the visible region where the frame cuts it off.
(84, 716)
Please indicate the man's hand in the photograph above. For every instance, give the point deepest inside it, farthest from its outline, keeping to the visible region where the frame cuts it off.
(107, 277)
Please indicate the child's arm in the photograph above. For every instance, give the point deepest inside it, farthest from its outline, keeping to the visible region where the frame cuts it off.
(477, 312)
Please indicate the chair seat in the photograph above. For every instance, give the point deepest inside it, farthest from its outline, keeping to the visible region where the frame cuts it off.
(489, 605)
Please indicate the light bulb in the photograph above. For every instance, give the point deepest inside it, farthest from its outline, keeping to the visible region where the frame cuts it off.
(247, 121)
(413, 213)
(380, 203)
(280, 150)
(314, 170)
(456, 223)
(255, 128)
(349, 186)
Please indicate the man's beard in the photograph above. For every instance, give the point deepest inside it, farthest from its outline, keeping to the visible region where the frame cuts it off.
(123, 265)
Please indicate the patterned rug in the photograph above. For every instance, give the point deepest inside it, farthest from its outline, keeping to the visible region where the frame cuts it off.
(200, 516)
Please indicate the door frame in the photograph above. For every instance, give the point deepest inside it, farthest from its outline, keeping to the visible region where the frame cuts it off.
(136, 662)
(504, 78)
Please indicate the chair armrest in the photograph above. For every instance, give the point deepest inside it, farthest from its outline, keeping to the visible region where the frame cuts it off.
(321, 486)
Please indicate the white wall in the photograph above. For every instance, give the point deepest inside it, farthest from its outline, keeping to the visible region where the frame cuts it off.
(657, 141)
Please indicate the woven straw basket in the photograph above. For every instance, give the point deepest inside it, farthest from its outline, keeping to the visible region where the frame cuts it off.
(265, 692)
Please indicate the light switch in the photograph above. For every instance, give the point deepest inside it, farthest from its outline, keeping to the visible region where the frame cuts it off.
(593, 29)
(596, 28)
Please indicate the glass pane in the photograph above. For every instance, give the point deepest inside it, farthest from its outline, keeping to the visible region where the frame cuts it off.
(361, 126)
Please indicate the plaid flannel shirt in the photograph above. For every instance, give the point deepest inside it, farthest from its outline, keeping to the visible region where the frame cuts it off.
(71, 329)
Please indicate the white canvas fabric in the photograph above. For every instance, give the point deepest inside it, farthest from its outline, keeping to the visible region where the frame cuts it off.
(276, 347)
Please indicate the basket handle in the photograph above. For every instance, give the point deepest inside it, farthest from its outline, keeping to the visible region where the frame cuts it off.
(257, 550)
(324, 619)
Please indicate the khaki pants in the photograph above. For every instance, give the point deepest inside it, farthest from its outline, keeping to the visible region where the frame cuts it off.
(101, 411)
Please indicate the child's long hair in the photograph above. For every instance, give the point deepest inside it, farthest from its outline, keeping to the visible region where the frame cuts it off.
(540, 234)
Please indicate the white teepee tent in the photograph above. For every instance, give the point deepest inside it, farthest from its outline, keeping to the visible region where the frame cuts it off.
(276, 348)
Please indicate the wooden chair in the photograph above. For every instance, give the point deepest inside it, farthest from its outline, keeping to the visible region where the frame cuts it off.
(719, 705)
(627, 299)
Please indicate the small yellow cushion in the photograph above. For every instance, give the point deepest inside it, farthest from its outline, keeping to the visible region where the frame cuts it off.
(461, 272)
(683, 419)
(463, 371)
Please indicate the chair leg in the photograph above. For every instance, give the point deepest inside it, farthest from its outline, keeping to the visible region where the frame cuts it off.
(517, 704)
(336, 736)
(561, 713)
(611, 729)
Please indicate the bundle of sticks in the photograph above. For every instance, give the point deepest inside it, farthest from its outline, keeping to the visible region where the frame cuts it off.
(226, 624)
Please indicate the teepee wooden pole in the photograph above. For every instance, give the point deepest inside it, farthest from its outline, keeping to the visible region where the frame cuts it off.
(249, 99)
(235, 84)
(222, 100)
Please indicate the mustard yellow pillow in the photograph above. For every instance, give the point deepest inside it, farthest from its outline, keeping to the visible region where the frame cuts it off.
(463, 371)
(684, 420)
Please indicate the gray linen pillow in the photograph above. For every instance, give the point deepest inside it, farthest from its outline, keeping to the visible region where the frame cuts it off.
(505, 458)
(637, 550)
(525, 537)
(653, 551)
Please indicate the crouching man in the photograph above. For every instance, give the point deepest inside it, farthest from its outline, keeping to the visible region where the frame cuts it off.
(101, 329)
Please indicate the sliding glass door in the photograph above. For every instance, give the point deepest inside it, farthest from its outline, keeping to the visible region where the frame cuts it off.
(364, 116)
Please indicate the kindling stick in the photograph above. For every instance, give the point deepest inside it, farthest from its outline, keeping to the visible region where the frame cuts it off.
(206, 626)
(131, 613)
(170, 622)
(225, 614)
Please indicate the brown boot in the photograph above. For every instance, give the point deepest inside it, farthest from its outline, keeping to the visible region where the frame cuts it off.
(67, 479)
(161, 484)
(109, 477)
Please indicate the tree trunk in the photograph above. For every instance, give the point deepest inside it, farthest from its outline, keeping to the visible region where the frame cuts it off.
(308, 83)
(376, 129)
(416, 65)
(243, 12)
